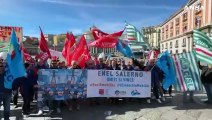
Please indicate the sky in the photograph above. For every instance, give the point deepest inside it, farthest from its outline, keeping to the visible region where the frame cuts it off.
(77, 16)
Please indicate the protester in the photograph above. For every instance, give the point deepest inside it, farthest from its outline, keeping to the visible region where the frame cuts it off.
(55, 65)
(74, 101)
(123, 65)
(5, 94)
(26, 89)
(206, 77)
(155, 80)
(114, 66)
(101, 64)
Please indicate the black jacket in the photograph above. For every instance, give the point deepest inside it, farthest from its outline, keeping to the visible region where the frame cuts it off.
(206, 75)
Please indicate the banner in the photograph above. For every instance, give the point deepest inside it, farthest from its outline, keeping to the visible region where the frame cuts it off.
(6, 31)
(117, 83)
(59, 84)
(188, 75)
(4, 47)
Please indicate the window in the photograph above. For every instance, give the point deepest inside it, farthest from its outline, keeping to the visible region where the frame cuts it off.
(162, 46)
(171, 26)
(170, 44)
(177, 21)
(167, 27)
(171, 33)
(185, 15)
(198, 21)
(184, 42)
(166, 45)
(176, 44)
(177, 31)
(170, 51)
(184, 50)
(176, 51)
(162, 30)
(185, 27)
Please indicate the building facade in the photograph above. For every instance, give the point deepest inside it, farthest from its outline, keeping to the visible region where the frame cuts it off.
(152, 35)
(31, 45)
(176, 31)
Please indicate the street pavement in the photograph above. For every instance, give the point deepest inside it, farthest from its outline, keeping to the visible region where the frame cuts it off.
(135, 109)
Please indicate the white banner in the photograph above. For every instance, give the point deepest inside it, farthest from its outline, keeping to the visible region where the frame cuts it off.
(117, 83)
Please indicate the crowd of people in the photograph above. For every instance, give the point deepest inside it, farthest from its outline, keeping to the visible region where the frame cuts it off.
(28, 87)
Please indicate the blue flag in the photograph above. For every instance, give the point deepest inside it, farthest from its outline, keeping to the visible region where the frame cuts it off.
(124, 48)
(14, 62)
(166, 64)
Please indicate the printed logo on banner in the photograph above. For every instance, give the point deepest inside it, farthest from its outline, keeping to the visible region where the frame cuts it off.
(101, 91)
(135, 92)
(117, 92)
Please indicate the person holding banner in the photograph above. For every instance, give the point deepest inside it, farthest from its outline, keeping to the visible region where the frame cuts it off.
(114, 66)
(75, 101)
(101, 64)
(5, 94)
(155, 79)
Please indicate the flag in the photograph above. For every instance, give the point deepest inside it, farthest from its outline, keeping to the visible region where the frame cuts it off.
(14, 62)
(107, 41)
(56, 53)
(65, 50)
(124, 48)
(97, 33)
(187, 72)
(70, 49)
(153, 54)
(101, 55)
(135, 35)
(96, 61)
(27, 56)
(42, 56)
(43, 45)
(203, 47)
(81, 53)
(166, 64)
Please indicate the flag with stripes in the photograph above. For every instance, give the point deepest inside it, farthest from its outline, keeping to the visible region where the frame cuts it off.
(187, 72)
(133, 33)
(203, 47)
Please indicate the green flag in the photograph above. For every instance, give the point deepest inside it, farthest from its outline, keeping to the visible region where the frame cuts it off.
(203, 46)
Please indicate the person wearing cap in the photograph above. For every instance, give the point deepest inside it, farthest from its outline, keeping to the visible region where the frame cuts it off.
(5, 94)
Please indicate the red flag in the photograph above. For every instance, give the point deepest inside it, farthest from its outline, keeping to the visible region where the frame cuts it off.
(27, 56)
(65, 50)
(81, 53)
(108, 41)
(43, 57)
(70, 49)
(97, 33)
(43, 45)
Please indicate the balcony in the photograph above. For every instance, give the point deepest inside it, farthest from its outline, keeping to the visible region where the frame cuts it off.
(176, 46)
